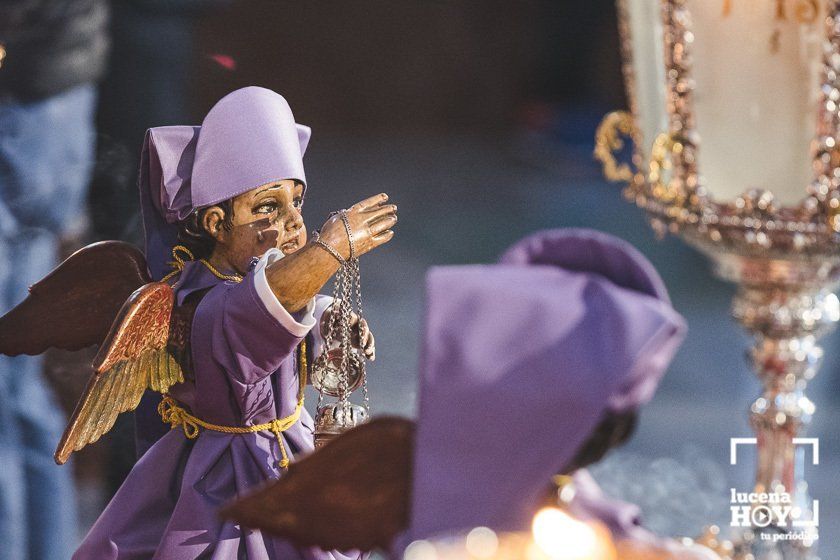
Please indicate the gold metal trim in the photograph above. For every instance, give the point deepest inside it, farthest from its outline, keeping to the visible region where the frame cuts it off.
(608, 140)
(664, 147)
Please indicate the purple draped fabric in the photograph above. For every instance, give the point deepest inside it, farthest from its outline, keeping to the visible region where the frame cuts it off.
(519, 362)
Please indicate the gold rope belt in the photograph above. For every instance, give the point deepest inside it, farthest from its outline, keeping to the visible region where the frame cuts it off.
(174, 415)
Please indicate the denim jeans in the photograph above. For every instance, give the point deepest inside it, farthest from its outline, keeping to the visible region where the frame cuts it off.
(46, 155)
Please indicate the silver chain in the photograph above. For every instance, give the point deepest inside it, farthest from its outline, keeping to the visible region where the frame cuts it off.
(347, 284)
(357, 277)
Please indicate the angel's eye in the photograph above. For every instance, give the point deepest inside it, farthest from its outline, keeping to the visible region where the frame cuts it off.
(266, 208)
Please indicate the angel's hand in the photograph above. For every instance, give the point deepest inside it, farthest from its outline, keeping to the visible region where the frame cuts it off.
(361, 336)
(363, 339)
(297, 277)
(370, 223)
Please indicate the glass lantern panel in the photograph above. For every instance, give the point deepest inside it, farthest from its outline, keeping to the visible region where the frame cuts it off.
(756, 69)
(644, 23)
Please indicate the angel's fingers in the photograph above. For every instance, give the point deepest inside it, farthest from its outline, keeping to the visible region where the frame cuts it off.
(370, 348)
(378, 213)
(382, 224)
(383, 237)
(373, 212)
(370, 202)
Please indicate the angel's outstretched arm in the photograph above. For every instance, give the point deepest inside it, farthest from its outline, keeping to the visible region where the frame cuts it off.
(296, 278)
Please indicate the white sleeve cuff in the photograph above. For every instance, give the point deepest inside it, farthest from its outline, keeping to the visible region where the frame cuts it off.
(299, 327)
(321, 304)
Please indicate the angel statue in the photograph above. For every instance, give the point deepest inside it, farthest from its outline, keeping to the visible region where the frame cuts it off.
(215, 316)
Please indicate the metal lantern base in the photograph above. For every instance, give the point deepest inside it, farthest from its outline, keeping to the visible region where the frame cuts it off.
(785, 301)
(756, 544)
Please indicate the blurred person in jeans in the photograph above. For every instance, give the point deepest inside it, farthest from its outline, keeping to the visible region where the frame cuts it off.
(52, 52)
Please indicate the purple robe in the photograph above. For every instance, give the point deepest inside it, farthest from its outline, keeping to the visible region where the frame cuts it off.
(243, 352)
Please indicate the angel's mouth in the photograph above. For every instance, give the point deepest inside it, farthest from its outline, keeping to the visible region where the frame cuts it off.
(290, 246)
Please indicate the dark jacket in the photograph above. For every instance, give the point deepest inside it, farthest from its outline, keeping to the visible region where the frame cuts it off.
(51, 45)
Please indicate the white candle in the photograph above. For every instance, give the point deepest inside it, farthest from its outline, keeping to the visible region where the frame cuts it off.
(756, 68)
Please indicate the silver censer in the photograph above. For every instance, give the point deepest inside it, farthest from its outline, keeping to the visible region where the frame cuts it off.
(340, 368)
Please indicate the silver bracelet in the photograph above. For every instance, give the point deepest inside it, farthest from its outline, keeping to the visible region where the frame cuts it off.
(346, 221)
(316, 238)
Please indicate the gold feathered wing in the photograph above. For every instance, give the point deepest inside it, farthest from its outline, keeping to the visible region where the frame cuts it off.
(133, 357)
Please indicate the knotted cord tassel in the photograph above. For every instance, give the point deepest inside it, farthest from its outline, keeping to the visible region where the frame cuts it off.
(175, 416)
(276, 428)
(178, 262)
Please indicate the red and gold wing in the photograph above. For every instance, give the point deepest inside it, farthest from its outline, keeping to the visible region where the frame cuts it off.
(134, 357)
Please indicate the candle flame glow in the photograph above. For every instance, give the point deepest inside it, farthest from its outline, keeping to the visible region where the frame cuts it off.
(563, 538)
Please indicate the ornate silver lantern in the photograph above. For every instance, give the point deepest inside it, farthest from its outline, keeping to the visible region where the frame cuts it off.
(735, 122)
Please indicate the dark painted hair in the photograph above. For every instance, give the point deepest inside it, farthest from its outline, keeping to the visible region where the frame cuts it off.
(614, 429)
(193, 236)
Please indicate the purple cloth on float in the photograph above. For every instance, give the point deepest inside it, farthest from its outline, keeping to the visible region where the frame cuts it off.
(623, 519)
(520, 360)
(245, 374)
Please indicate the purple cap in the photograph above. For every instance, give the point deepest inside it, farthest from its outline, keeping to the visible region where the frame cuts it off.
(520, 361)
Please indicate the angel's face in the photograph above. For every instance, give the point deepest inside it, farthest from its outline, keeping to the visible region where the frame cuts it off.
(266, 217)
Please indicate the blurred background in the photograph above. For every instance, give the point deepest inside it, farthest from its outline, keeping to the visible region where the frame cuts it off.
(477, 117)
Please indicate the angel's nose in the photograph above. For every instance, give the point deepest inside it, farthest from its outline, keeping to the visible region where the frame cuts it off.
(295, 221)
